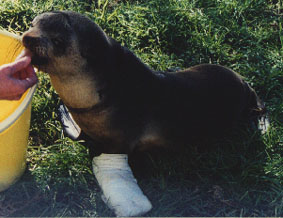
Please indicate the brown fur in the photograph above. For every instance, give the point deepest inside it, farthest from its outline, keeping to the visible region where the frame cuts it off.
(122, 104)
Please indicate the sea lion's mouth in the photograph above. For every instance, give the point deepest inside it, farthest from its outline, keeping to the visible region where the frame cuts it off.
(38, 60)
(37, 50)
(39, 55)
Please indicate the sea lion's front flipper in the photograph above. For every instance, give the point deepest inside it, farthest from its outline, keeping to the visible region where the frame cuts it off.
(70, 127)
(120, 189)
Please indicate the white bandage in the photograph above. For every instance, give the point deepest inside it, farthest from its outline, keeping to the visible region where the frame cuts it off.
(120, 189)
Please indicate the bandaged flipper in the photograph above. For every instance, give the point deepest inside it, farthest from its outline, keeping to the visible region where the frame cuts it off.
(120, 189)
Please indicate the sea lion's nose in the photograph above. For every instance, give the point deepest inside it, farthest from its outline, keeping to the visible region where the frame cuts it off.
(31, 37)
(29, 41)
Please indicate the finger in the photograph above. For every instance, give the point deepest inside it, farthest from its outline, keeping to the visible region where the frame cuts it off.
(17, 65)
(14, 93)
(24, 53)
(26, 83)
(15, 98)
(20, 74)
(23, 74)
(31, 75)
(28, 72)
(17, 75)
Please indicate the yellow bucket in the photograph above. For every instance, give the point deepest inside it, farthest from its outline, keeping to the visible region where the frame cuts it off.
(14, 120)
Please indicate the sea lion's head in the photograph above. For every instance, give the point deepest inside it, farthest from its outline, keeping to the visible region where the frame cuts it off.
(72, 49)
(61, 41)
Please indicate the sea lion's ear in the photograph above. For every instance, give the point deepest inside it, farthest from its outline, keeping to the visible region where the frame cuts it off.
(93, 42)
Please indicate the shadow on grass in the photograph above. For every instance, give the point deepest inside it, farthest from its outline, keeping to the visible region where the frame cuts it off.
(27, 199)
(227, 179)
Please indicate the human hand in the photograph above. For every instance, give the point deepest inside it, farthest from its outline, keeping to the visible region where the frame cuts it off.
(16, 77)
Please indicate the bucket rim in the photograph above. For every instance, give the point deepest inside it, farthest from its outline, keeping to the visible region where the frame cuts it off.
(5, 124)
(9, 34)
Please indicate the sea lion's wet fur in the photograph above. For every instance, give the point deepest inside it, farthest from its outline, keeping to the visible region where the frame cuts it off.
(120, 102)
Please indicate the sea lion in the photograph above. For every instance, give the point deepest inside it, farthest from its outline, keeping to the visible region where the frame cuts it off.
(121, 103)
(125, 106)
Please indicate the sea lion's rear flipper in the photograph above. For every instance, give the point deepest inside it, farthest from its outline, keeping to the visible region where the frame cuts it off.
(256, 112)
(263, 123)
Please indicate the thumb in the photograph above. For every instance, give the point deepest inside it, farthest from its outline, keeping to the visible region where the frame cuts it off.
(17, 65)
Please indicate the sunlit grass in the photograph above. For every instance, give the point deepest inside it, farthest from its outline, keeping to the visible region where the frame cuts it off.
(241, 177)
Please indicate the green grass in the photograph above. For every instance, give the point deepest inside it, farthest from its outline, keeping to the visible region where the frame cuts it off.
(241, 177)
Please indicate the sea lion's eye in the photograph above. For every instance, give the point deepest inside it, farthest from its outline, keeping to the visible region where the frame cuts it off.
(56, 41)
(59, 45)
